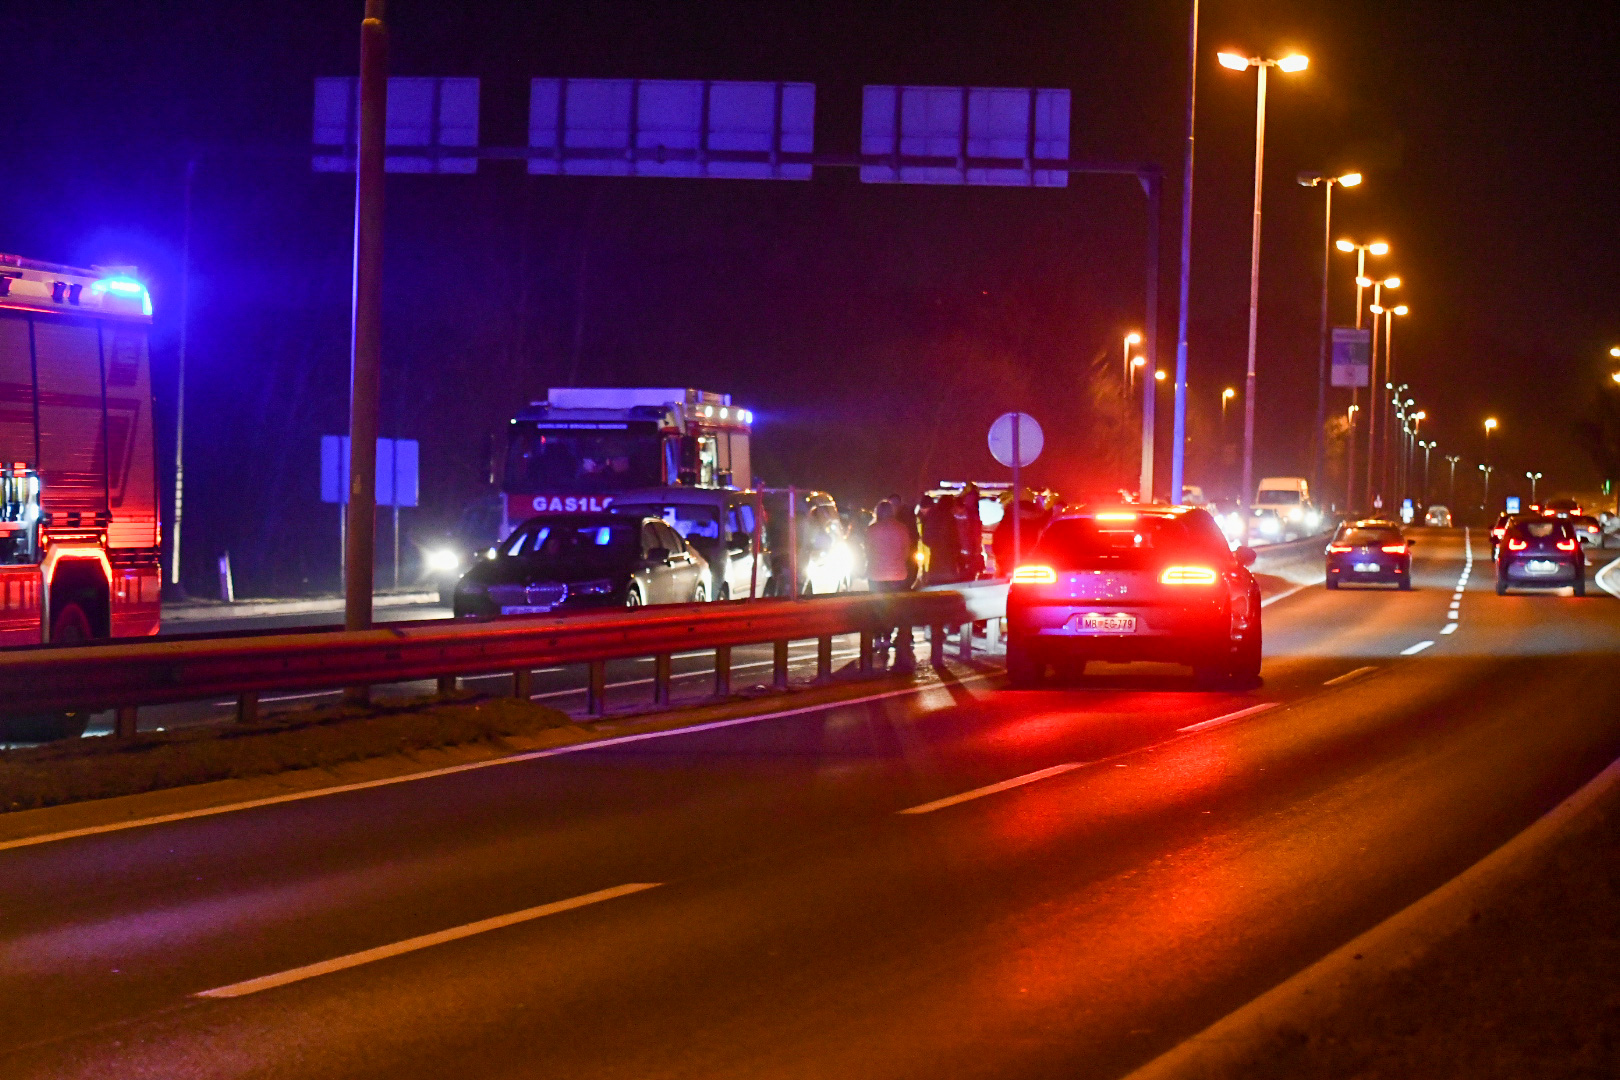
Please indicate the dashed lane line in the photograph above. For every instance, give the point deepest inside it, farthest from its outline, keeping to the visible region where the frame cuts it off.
(1413, 650)
(992, 789)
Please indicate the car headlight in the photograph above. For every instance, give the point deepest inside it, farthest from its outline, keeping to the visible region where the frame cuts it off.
(1295, 513)
(1269, 526)
(442, 561)
(599, 587)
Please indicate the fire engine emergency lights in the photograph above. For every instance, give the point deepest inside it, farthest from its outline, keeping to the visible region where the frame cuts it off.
(128, 287)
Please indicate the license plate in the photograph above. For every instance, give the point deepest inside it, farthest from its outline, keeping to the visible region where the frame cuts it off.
(1093, 622)
(1541, 566)
(525, 609)
(1367, 568)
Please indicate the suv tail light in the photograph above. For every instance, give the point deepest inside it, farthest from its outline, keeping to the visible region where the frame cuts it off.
(1567, 545)
(1517, 545)
(1340, 547)
(1187, 575)
(1034, 575)
(1398, 548)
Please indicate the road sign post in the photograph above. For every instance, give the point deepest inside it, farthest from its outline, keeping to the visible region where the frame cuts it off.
(1016, 440)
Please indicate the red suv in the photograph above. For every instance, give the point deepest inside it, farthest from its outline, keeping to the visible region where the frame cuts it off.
(1142, 583)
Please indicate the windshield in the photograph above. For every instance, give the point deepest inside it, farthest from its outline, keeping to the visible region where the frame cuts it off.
(696, 523)
(559, 545)
(601, 459)
(1130, 543)
(1368, 537)
(1278, 497)
(1542, 530)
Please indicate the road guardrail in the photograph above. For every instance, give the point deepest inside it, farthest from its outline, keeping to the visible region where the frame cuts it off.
(124, 676)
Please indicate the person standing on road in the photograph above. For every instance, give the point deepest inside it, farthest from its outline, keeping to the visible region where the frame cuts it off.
(906, 515)
(888, 561)
(941, 534)
(971, 528)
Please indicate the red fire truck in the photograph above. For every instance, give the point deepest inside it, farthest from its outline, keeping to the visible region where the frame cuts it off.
(79, 546)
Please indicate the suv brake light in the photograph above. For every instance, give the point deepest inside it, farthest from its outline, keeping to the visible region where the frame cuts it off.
(1187, 575)
(1034, 575)
(1340, 547)
(1567, 545)
(1517, 545)
(1394, 547)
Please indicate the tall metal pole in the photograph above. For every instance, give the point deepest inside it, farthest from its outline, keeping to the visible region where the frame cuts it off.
(366, 343)
(180, 376)
(1374, 400)
(1152, 186)
(1318, 447)
(1178, 437)
(1388, 471)
(1247, 495)
(1451, 498)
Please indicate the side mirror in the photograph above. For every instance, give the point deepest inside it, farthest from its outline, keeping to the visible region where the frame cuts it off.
(1411, 543)
(1246, 556)
(658, 555)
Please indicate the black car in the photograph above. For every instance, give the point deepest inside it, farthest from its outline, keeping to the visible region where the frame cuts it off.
(1146, 583)
(1540, 553)
(1369, 552)
(569, 562)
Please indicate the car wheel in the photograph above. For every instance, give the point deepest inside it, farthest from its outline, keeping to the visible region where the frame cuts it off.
(1501, 586)
(1406, 583)
(724, 592)
(70, 626)
(1580, 585)
(632, 599)
(1332, 583)
(701, 595)
(1022, 669)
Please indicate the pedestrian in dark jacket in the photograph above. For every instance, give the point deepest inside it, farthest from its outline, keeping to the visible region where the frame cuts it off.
(943, 537)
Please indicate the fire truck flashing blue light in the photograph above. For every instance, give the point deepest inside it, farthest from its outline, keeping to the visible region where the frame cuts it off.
(123, 286)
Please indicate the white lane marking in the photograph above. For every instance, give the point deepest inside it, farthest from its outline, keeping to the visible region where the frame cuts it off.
(1455, 604)
(449, 770)
(425, 941)
(1286, 593)
(1347, 676)
(1413, 650)
(1449, 628)
(992, 789)
(1231, 716)
(1451, 616)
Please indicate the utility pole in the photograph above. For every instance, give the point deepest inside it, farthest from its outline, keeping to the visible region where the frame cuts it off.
(365, 360)
(180, 377)
(1452, 459)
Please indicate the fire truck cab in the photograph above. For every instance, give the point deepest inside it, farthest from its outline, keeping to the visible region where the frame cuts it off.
(79, 546)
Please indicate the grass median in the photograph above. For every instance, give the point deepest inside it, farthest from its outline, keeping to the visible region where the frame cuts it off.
(306, 738)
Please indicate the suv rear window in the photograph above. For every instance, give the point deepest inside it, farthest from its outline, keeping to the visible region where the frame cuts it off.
(1136, 543)
(1542, 530)
(1367, 537)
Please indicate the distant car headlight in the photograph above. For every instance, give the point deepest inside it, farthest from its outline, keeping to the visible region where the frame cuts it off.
(442, 561)
(601, 587)
(1295, 513)
(1270, 526)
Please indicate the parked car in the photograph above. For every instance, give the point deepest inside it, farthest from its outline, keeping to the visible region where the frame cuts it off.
(1587, 529)
(1144, 583)
(1540, 553)
(571, 562)
(1437, 517)
(1368, 552)
(723, 525)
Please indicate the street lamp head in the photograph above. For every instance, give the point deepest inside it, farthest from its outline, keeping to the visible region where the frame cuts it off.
(1615, 352)
(1159, 375)
(1376, 309)
(1350, 179)
(1378, 248)
(1364, 282)
(1490, 423)
(1294, 62)
(1615, 376)
(1392, 283)
(1401, 309)
(1133, 338)
(1139, 361)
(1346, 245)
(1421, 414)
(1311, 179)
(1228, 394)
(1233, 61)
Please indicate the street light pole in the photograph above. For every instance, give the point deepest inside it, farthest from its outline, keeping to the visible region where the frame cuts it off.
(1389, 375)
(1485, 492)
(366, 341)
(1533, 477)
(1318, 440)
(180, 377)
(1262, 67)
(1178, 436)
(1427, 446)
(1131, 338)
(1452, 489)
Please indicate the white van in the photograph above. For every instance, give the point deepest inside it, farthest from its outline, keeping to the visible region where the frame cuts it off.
(1283, 510)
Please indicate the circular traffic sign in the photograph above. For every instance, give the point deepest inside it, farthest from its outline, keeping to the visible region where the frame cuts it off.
(1030, 439)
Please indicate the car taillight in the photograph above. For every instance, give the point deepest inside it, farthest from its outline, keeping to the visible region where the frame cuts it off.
(1567, 545)
(1034, 575)
(1187, 575)
(1518, 545)
(1340, 547)
(1397, 548)
(1498, 533)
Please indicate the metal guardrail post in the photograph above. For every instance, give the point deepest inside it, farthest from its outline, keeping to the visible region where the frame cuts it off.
(823, 658)
(905, 652)
(125, 721)
(247, 707)
(661, 666)
(866, 652)
(447, 684)
(779, 665)
(992, 635)
(722, 671)
(522, 680)
(936, 646)
(596, 692)
(964, 641)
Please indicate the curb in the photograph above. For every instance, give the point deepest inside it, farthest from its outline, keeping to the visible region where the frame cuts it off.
(1223, 1048)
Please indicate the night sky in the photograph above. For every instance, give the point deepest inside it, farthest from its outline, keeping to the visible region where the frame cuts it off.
(875, 328)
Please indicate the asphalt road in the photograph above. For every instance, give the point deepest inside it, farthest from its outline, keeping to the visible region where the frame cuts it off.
(964, 882)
